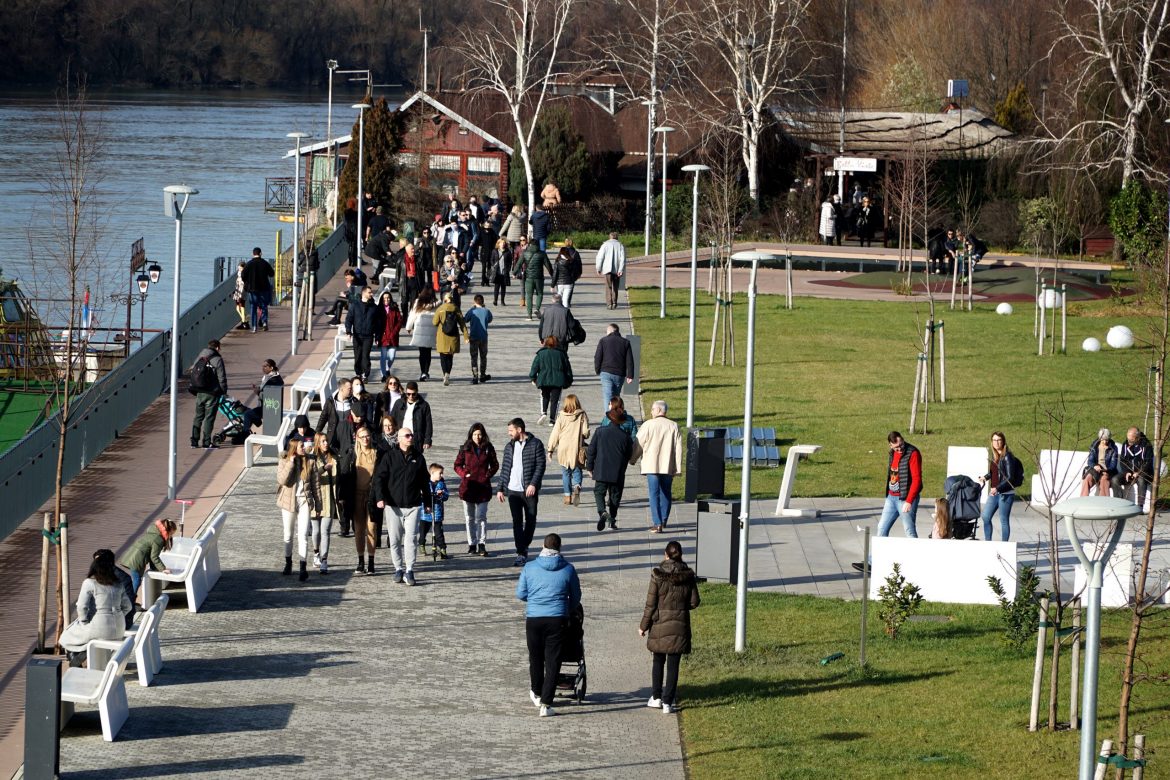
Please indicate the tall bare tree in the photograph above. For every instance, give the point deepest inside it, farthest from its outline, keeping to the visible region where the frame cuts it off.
(514, 53)
(746, 58)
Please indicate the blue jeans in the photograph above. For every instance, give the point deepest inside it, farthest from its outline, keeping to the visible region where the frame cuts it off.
(570, 478)
(387, 359)
(658, 486)
(1004, 502)
(135, 581)
(611, 387)
(892, 510)
(543, 244)
(258, 308)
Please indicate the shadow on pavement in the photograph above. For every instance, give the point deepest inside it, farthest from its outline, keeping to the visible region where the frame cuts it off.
(189, 767)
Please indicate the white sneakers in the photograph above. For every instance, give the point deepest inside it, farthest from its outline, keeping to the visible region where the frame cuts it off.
(654, 703)
(547, 712)
(543, 420)
(535, 699)
(667, 709)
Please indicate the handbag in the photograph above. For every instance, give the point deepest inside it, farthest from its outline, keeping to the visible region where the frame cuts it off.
(582, 455)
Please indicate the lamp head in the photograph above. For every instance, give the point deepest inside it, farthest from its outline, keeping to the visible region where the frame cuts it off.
(1096, 514)
(696, 168)
(360, 106)
(664, 129)
(155, 271)
(143, 283)
(331, 64)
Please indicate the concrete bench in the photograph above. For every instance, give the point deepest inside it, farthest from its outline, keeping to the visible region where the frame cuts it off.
(147, 648)
(795, 452)
(188, 572)
(257, 440)
(312, 381)
(1058, 476)
(103, 688)
(208, 536)
(948, 570)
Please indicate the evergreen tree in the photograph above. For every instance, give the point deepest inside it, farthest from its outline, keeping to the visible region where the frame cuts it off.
(383, 140)
(558, 154)
(1015, 111)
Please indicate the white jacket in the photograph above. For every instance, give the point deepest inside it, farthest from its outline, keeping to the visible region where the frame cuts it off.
(611, 257)
(422, 329)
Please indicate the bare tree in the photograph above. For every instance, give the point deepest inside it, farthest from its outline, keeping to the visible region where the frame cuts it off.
(750, 56)
(514, 54)
(1114, 53)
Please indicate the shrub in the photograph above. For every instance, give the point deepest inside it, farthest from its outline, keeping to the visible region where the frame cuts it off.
(999, 223)
(898, 600)
(1021, 615)
(1137, 217)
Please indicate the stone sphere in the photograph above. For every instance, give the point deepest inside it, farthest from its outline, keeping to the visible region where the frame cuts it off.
(1003, 308)
(1050, 298)
(1091, 345)
(1119, 337)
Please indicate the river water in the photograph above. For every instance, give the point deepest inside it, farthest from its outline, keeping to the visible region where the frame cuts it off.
(222, 143)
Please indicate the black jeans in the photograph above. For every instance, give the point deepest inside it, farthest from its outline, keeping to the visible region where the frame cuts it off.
(424, 359)
(425, 527)
(544, 655)
(361, 355)
(501, 294)
(523, 518)
(446, 362)
(600, 488)
(550, 398)
(478, 351)
(659, 688)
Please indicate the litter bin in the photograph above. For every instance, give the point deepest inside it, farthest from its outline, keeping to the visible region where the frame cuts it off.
(706, 462)
(42, 718)
(717, 539)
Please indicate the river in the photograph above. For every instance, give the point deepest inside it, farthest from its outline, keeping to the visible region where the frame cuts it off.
(222, 143)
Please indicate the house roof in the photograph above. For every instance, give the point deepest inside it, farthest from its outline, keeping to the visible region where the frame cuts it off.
(631, 122)
(949, 134)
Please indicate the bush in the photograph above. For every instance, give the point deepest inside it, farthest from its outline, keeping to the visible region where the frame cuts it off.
(678, 210)
(898, 600)
(1021, 615)
(999, 223)
(1137, 217)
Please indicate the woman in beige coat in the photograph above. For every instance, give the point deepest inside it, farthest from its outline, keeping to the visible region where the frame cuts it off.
(566, 443)
(298, 495)
(447, 344)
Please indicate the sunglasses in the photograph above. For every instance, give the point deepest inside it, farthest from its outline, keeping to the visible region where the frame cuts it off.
(407, 435)
(411, 395)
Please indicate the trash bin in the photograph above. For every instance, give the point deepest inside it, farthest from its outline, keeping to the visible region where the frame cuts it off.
(42, 718)
(706, 463)
(717, 539)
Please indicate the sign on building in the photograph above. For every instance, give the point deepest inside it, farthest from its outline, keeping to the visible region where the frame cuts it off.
(862, 164)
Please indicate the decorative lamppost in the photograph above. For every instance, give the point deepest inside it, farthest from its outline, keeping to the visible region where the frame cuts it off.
(695, 169)
(175, 198)
(361, 109)
(663, 131)
(296, 254)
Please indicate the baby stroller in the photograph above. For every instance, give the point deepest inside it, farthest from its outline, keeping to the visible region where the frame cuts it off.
(571, 682)
(235, 429)
(963, 504)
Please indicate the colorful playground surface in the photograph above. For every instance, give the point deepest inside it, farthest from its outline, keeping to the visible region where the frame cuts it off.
(997, 284)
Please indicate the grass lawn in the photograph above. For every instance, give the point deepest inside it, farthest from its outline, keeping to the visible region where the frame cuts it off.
(946, 699)
(841, 373)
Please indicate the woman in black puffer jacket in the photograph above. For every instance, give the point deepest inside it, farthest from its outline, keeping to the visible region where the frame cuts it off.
(673, 594)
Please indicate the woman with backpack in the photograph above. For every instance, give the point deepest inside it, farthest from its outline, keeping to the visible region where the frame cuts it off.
(422, 330)
(672, 595)
(448, 322)
(1004, 474)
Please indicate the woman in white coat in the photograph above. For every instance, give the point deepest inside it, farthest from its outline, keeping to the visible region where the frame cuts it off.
(422, 329)
(102, 606)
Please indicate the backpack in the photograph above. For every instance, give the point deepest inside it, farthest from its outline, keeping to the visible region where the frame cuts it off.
(450, 324)
(201, 377)
(1015, 471)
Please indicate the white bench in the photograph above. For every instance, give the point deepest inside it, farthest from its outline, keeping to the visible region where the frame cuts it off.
(208, 536)
(188, 571)
(257, 440)
(1058, 476)
(970, 462)
(147, 648)
(311, 382)
(794, 454)
(104, 688)
(949, 570)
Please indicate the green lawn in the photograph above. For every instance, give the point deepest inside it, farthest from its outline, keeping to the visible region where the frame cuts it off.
(19, 412)
(840, 374)
(946, 699)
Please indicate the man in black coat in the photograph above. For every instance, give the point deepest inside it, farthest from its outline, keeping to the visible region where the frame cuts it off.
(256, 276)
(377, 249)
(413, 413)
(401, 486)
(613, 360)
(364, 323)
(610, 449)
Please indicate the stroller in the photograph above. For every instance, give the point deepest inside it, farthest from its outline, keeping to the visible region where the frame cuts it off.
(572, 682)
(235, 429)
(963, 504)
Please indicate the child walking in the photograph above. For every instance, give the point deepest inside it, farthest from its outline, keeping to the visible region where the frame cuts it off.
(478, 318)
(432, 520)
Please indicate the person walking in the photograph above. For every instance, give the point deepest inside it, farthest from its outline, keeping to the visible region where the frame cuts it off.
(298, 495)
(552, 373)
(501, 272)
(102, 606)
(257, 275)
(566, 271)
(550, 588)
(613, 361)
(540, 223)
(413, 413)
(478, 318)
(209, 382)
(519, 480)
(240, 297)
(420, 324)
(611, 263)
(610, 451)
(1004, 474)
(401, 487)
(366, 528)
(566, 445)
(513, 228)
(476, 464)
(387, 341)
(321, 521)
(449, 324)
(827, 227)
(364, 324)
(556, 320)
(661, 452)
(533, 265)
(673, 593)
(903, 489)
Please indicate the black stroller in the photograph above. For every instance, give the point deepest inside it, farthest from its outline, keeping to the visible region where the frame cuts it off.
(571, 682)
(235, 429)
(963, 505)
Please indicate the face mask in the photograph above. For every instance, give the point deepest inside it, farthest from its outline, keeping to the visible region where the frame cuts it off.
(357, 388)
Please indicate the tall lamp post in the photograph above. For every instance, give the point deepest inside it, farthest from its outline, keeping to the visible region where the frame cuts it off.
(175, 198)
(361, 109)
(296, 255)
(663, 131)
(1104, 518)
(695, 169)
(650, 105)
(332, 66)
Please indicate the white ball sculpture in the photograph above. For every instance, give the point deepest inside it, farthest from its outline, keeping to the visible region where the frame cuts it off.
(1091, 345)
(1003, 308)
(1119, 337)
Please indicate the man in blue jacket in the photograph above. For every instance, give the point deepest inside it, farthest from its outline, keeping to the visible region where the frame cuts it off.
(549, 586)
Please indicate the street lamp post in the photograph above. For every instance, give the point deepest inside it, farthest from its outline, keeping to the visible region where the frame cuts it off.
(332, 66)
(296, 254)
(650, 106)
(662, 131)
(1106, 518)
(175, 198)
(361, 109)
(695, 169)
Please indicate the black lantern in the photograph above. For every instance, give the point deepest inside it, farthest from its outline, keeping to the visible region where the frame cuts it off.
(143, 283)
(155, 272)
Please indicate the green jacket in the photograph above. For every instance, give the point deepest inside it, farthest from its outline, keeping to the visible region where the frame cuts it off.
(146, 549)
(551, 368)
(533, 263)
